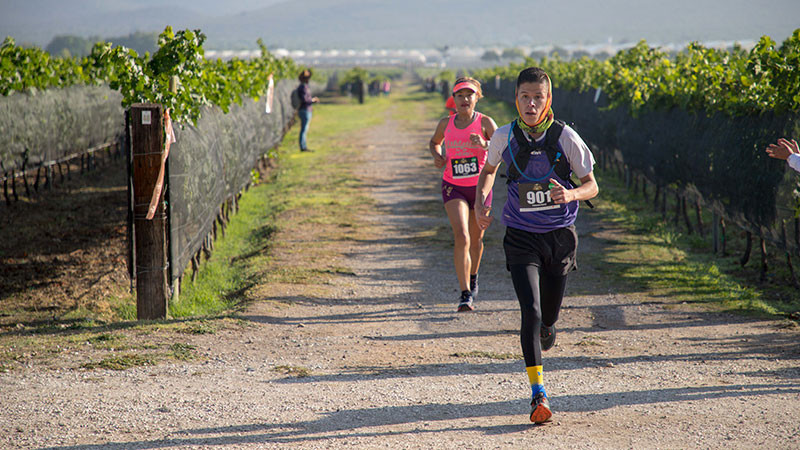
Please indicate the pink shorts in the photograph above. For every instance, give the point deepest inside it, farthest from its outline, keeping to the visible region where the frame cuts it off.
(467, 193)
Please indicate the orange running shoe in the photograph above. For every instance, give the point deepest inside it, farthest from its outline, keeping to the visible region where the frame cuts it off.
(540, 408)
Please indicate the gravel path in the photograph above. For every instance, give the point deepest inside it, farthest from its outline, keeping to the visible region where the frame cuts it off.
(389, 364)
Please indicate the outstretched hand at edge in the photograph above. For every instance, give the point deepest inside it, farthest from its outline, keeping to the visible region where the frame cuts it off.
(783, 148)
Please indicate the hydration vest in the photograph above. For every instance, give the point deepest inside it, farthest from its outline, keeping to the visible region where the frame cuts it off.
(558, 161)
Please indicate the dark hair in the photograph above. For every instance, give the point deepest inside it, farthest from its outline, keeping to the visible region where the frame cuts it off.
(532, 75)
(304, 76)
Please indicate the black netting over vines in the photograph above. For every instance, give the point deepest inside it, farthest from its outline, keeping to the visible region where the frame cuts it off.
(718, 159)
(212, 162)
(48, 125)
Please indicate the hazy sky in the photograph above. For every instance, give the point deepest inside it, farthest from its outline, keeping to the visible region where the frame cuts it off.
(405, 23)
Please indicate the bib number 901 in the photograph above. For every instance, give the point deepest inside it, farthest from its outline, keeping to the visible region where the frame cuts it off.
(535, 197)
(538, 197)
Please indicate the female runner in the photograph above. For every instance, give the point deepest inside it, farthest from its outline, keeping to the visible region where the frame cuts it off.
(465, 136)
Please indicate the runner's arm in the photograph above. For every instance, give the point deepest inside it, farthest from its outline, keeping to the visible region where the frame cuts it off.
(482, 190)
(586, 191)
(435, 144)
(488, 127)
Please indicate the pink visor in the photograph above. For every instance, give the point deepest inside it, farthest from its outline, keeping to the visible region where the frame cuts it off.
(464, 85)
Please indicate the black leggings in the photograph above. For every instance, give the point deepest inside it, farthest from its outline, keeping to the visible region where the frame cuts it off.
(539, 296)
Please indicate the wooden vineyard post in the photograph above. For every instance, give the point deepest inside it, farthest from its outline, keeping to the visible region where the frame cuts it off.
(147, 139)
(176, 281)
(715, 231)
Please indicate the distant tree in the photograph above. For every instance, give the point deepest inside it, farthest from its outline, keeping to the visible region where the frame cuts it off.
(560, 51)
(69, 46)
(356, 74)
(447, 75)
(140, 41)
(538, 55)
(602, 56)
(490, 55)
(513, 53)
(578, 54)
(737, 50)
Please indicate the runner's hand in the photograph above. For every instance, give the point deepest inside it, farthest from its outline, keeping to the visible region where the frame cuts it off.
(477, 139)
(482, 216)
(559, 193)
(439, 161)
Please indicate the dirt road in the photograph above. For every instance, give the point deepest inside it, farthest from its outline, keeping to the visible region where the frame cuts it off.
(380, 359)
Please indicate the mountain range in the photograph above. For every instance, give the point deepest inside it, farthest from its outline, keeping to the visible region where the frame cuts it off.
(360, 24)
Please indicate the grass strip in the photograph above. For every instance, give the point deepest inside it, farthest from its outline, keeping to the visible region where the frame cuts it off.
(311, 190)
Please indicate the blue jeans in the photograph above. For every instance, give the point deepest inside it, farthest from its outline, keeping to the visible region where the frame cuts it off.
(305, 118)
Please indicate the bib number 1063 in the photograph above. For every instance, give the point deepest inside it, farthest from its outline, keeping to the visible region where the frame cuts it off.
(465, 167)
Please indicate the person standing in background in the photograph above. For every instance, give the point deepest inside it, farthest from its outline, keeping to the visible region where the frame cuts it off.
(306, 100)
(361, 88)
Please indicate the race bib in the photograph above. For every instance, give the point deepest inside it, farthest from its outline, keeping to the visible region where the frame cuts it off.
(465, 167)
(535, 197)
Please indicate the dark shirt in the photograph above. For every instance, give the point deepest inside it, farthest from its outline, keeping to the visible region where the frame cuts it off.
(305, 97)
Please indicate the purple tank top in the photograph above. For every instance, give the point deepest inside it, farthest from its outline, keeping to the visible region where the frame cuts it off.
(536, 214)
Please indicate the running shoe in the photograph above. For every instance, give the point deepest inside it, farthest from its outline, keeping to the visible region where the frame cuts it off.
(547, 337)
(540, 408)
(473, 285)
(465, 302)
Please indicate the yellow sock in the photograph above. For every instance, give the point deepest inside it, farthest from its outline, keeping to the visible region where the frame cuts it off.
(535, 375)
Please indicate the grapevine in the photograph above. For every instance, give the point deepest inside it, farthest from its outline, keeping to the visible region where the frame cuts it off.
(735, 82)
(146, 78)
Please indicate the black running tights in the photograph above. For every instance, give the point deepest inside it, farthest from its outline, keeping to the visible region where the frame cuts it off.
(539, 296)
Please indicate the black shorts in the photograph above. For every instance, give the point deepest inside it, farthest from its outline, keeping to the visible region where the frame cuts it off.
(555, 252)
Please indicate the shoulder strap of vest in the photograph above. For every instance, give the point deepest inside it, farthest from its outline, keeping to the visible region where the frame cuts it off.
(522, 156)
(554, 153)
(550, 147)
(562, 168)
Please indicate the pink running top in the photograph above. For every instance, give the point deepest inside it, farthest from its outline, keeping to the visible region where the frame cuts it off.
(465, 160)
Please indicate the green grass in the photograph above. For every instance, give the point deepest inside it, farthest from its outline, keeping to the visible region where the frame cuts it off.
(121, 362)
(655, 256)
(116, 346)
(500, 111)
(199, 327)
(319, 184)
(183, 352)
(418, 106)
